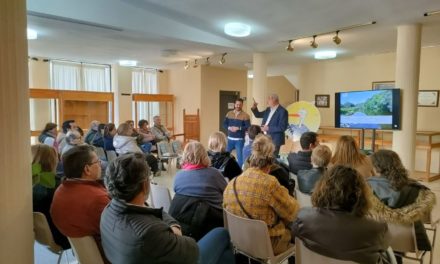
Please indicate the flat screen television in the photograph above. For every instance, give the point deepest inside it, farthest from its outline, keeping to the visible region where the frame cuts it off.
(372, 109)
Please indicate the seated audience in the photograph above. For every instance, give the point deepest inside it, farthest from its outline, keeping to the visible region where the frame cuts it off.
(347, 153)
(146, 138)
(159, 131)
(307, 179)
(93, 129)
(336, 226)
(220, 159)
(72, 139)
(257, 195)
(406, 201)
(253, 131)
(67, 126)
(197, 203)
(109, 133)
(131, 124)
(132, 232)
(124, 143)
(42, 191)
(301, 159)
(48, 135)
(80, 199)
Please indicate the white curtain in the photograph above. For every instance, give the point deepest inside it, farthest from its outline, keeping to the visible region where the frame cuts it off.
(145, 82)
(65, 75)
(96, 78)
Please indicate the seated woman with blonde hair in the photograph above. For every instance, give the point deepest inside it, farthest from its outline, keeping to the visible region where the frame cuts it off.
(197, 204)
(337, 226)
(347, 153)
(220, 158)
(257, 195)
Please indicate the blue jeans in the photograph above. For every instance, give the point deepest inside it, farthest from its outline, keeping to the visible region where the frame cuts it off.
(238, 146)
(146, 147)
(215, 247)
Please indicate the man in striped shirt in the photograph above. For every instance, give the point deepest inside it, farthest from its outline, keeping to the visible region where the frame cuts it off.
(237, 122)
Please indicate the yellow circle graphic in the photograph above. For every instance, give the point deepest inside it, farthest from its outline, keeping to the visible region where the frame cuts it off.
(303, 117)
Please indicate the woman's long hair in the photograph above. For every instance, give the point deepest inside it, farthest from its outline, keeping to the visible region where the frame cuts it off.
(388, 164)
(347, 152)
(342, 188)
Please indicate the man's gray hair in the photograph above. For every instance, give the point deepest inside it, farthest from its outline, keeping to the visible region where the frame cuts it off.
(274, 97)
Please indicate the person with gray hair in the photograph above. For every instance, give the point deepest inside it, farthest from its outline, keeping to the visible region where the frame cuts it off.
(133, 232)
(275, 121)
(73, 138)
(159, 131)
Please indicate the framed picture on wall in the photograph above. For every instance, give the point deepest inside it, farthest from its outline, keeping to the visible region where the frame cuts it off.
(428, 98)
(383, 85)
(322, 100)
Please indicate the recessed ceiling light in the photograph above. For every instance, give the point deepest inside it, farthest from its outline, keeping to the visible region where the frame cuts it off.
(128, 63)
(237, 29)
(32, 34)
(325, 55)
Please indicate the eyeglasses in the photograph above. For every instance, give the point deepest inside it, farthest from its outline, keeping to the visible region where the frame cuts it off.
(91, 163)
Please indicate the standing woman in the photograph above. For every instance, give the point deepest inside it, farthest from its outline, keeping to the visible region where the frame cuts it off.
(347, 153)
(48, 135)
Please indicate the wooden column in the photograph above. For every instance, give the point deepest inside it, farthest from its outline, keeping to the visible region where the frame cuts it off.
(16, 231)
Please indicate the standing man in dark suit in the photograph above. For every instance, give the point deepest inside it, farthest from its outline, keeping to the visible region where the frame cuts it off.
(275, 121)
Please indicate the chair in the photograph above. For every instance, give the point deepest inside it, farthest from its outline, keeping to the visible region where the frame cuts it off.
(303, 199)
(100, 153)
(165, 152)
(251, 238)
(403, 239)
(111, 155)
(86, 250)
(176, 147)
(160, 196)
(431, 225)
(43, 235)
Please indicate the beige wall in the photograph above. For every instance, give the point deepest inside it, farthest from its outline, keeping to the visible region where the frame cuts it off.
(278, 85)
(163, 82)
(122, 85)
(214, 80)
(39, 74)
(186, 87)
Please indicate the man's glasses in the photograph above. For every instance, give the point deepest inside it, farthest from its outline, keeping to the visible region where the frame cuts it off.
(91, 163)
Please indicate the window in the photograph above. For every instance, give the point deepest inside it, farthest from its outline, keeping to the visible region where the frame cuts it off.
(144, 81)
(68, 75)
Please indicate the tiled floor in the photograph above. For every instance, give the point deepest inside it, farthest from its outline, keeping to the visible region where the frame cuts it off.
(43, 256)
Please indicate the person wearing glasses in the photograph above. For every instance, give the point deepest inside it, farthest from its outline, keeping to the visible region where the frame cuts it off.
(80, 199)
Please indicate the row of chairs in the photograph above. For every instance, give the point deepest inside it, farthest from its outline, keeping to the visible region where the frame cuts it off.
(403, 238)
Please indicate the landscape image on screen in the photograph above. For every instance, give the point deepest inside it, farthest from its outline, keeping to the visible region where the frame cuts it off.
(367, 109)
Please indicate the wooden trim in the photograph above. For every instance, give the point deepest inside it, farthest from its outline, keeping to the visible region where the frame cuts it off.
(153, 97)
(43, 93)
(87, 96)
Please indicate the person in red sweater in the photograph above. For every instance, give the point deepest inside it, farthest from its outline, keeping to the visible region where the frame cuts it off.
(80, 199)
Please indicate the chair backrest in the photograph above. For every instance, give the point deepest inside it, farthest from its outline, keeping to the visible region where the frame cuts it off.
(86, 250)
(176, 145)
(249, 236)
(403, 237)
(303, 199)
(160, 197)
(163, 149)
(303, 255)
(111, 155)
(100, 153)
(43, 234)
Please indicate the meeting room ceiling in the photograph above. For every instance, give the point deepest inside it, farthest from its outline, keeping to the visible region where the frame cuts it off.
(163, 33)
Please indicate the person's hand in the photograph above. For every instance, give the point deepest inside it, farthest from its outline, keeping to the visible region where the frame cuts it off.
(265, 128)
(176, 230)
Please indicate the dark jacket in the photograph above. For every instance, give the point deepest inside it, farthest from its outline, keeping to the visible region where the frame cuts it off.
(195, 216)
(134, 234)
(308, 178)
(108, 143)
(277, 125)
(342, 235)
(405, 206)
(225, 163)
(299, 161)
(94, 138)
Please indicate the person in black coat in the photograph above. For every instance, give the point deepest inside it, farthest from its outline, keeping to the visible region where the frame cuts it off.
(301, 160)
(220, 159)
(307, 179)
